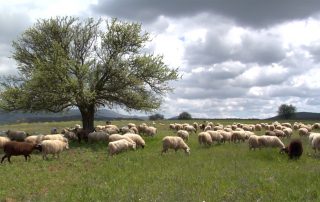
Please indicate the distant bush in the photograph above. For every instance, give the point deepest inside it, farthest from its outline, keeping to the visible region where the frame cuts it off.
(184, 116)
(156, 117)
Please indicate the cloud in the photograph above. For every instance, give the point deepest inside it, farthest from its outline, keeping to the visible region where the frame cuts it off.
(248, 46)
(253, 13)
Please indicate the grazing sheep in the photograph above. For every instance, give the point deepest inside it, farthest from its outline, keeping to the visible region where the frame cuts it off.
(183, 134)
(288, 125)
(312, 135)
(136, 138)
(258, 127)
(112, 130)
(254, 142)
(53, 147)
(99, 128)
(303, 132)
(134, 130)
(288, 132)
(215, 135)
(54, 131)
(315, 143)
(70, 135)
(294, 150)
(13, 148)
(115, 137)
(239, 135)
(151, 131)
(207, 128)
(82, 134)
(279, 133)
(195, 125)
(3, 140)
(130, 125)
(226, 136)
(204, 138)
(315, 126)
(34, 139)
(77, 126)
(270, 141)
(120, 146)
(126, 129)
(100, 136)
(16, 135)
(173, 142)
(190, 129)
(270, 133)
(202, 127)
(55, 137)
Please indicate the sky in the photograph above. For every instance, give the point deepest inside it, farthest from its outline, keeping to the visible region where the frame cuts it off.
(237, 59)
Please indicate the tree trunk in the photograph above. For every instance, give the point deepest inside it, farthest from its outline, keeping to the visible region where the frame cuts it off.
(87, 114)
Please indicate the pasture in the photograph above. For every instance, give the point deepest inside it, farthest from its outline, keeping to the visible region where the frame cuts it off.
(222, 172)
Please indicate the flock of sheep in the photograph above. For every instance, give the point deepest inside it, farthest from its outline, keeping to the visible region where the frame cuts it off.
(130, 137)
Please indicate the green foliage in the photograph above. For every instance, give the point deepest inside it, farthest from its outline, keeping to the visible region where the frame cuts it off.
(66, 62)
(222, 172)
(286, 111)
(184, 116)
(156, 117)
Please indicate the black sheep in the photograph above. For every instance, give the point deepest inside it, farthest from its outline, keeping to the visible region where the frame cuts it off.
(14, 148)
(295, 149)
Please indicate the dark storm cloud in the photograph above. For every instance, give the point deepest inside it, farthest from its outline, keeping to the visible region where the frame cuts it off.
(254, 13)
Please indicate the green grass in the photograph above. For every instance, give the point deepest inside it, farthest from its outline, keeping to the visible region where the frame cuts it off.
(226, 172)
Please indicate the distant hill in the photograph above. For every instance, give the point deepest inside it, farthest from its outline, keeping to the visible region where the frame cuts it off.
(73, 114)
(301, 116)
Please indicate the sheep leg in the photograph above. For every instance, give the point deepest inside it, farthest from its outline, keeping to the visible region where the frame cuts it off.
(9, 156)
(26, 157)
(5, 156)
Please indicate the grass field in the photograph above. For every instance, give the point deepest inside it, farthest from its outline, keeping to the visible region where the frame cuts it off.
(226, 172)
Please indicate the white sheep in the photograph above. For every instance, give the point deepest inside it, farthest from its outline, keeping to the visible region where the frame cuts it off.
(116, 137)
(120, 146)
(288, 132)
(226, 136)
(111, 130)
(303, 131)
(239, 135)
(53, 147)
(130, 125)
(3, 140)
(174, 142)
(99, 128)
(183, 134)
(215, 135)
(190, 129)
(100, 136)
(254, 142)
(136, 138)
(270, 141)
(55, 137)
(151, 131)
(34, 139)
(204, 138)
(315, 143)
(313, 135)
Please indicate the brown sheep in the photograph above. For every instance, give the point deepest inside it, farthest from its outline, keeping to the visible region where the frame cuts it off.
(13, 148)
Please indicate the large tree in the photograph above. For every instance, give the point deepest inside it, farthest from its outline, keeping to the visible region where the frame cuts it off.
(286, 111)
(65, 62)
